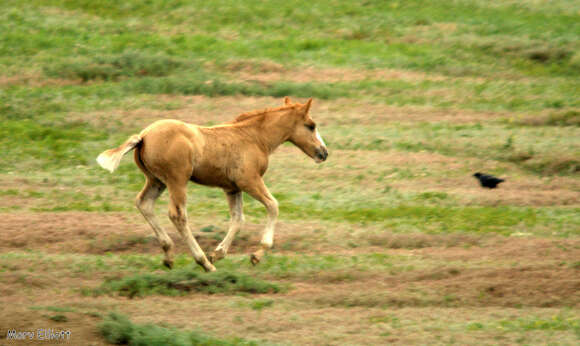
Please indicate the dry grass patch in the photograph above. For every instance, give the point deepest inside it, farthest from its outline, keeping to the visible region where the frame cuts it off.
(35, 81)
(529, 286)
(569, 117)
(327, 75)
(518, 190)
(199, 110)
(388, 240)
(511, 250)
(203, 110)
(99, 233)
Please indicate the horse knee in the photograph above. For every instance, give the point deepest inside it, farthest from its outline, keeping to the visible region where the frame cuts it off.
(177, 219)
(177, 215)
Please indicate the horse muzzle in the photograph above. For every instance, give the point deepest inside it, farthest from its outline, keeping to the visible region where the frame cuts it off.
(320, 154)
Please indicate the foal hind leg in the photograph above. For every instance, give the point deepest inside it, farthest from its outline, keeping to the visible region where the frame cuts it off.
(260, 192)
(146, 204)
(178, 215)
(236, 220)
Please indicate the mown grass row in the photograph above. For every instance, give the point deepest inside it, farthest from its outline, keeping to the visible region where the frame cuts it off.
(396, 215)
(117, 329)
(29, 102)
(137, 275)
(140, 275)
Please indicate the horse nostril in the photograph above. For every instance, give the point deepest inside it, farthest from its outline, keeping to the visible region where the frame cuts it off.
(322, 153)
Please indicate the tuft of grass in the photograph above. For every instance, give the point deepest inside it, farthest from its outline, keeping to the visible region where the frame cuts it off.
(119, 330)
(261, 304)
(58, 318)
(178, 282)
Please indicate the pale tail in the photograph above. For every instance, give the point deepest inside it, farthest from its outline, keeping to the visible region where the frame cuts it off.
(110, 159)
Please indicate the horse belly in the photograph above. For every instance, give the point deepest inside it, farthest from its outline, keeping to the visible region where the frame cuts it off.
(212, 176)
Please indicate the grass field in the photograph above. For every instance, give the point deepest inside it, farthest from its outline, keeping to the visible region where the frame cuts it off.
(389, 241)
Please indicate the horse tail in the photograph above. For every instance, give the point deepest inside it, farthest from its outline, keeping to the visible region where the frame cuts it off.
(110, 159)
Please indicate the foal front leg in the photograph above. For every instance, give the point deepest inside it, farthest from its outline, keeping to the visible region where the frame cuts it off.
(178, 215)
(236, 219)
(260, 192)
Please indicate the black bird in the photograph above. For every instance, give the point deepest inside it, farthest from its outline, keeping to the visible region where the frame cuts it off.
(487, 180)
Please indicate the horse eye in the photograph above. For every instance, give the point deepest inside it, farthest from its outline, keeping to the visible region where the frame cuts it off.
(311, 126)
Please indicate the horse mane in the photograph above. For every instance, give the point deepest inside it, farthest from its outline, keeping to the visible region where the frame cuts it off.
(259, 113)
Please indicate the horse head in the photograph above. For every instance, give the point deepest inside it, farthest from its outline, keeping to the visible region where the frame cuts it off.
(305, 134)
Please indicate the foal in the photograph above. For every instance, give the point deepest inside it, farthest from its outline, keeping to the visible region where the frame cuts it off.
(232, 156)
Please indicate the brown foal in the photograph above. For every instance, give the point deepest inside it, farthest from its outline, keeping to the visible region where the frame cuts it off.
(232, 156)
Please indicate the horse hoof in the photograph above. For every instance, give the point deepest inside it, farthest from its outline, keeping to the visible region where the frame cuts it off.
(168, 264)
(254, 259)
(209, 268)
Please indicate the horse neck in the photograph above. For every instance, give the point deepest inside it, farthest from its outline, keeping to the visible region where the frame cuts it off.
(270, 131)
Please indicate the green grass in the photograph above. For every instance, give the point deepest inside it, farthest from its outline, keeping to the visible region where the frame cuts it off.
(119, 330)
(369, 34)
(181, 281)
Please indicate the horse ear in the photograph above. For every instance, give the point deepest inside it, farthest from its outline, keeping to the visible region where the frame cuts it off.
(286, 100)
(307, 105)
